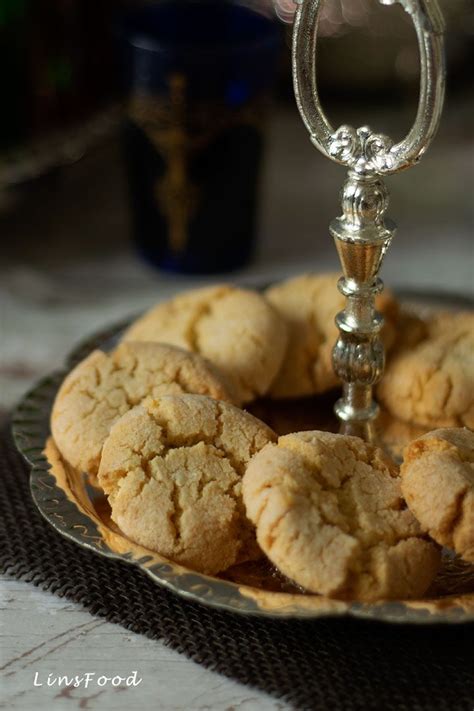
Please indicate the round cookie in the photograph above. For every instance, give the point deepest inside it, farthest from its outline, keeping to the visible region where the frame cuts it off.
(234, 328)
(438, 485)
(329, 513)
(309, 304)
(104, 386)
(433, 383)
(172, 469)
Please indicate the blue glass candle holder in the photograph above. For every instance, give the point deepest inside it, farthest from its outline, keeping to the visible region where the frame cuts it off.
(199, 77)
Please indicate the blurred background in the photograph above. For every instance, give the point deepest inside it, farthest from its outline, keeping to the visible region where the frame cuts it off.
(147, 147)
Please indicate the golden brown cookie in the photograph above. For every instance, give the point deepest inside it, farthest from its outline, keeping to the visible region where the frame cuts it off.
(309, 304)
(433, 383)
(330, 514)
(106, 385)
(172, 469)
(413, 329)
(234, 328)
(442, 323)
(438, 485)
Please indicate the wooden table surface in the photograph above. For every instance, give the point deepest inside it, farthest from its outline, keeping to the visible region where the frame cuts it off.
(43, 635)
(77, 272)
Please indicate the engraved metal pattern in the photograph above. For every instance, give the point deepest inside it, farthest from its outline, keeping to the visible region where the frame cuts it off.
(66, 502)
(362, 234)
(361, 149)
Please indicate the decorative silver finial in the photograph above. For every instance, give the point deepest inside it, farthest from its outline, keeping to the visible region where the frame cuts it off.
(362, 234)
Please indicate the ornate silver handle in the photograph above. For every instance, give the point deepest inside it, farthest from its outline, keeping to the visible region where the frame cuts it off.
(361, 234)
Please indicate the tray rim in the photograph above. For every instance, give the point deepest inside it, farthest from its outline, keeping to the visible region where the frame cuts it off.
(30, 429)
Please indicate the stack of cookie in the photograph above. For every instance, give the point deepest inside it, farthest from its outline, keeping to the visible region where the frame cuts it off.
(158, 424)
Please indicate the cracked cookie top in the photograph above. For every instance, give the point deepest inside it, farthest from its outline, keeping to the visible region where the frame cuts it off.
(309, 304)
(438, 484)
(104, 386)
(172, 469)
(433, 383)
(330, 514)
(234, 328)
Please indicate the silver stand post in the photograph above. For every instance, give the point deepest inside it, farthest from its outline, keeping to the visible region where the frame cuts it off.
(362, 234)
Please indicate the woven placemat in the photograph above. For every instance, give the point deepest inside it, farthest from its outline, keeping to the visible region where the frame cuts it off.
(326, 664)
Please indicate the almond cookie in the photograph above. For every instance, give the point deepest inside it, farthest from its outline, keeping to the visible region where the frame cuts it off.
(106, 385)
(330, 514)
(438, 484)
(172, 469)
(234, 328)
(433, 383)
(309, 304)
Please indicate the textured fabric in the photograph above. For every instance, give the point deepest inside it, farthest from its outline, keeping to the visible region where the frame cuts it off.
(327, 664)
